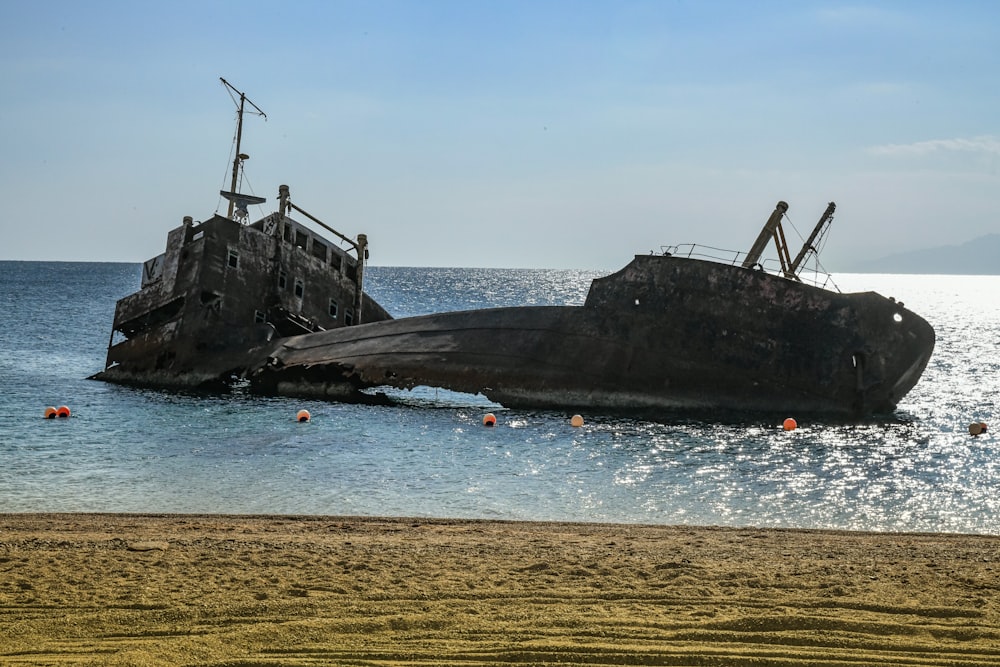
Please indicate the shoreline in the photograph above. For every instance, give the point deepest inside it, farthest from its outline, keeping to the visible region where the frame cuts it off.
(166, 589)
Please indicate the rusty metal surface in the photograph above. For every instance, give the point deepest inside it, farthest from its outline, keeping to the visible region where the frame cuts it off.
(663, 332)
(220, 292)
(228, 301)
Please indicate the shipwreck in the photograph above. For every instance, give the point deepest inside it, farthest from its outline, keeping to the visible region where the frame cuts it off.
(668, 332)
(281, 309)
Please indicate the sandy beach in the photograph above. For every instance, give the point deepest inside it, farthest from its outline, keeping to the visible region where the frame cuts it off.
(234, 590)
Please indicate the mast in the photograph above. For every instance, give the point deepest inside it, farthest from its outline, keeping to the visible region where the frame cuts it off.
(239, 137)
(823, 223)
(772, 229)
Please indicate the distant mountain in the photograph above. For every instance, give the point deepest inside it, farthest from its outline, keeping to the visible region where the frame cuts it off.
(980, 256)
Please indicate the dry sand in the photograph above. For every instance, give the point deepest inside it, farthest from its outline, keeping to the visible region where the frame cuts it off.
(231, 590)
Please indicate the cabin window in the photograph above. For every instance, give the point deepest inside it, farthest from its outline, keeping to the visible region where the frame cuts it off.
(333, 308)
(319, 251)
(349, 317)
(234, 258)
(282, 280)
(210, 298)
(258, 317)
(288, 233)
(300, 288)
(301, 240)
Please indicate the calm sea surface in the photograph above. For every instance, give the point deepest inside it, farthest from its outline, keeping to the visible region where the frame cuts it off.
(129, 450)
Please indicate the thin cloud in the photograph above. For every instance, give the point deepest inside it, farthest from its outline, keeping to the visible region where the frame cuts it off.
(989, 145)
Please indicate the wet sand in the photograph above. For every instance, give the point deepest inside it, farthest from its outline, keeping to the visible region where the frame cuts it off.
(233, 590)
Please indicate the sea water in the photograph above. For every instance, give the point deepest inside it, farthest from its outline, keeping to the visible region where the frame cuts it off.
(141, 450)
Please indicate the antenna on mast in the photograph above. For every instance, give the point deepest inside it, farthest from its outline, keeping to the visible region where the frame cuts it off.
(239, 137)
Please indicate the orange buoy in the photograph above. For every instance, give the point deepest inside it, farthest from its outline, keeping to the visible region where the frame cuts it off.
(790, 424)
(576, 420)
(50, 412)
(489, 419)
(63, 411)
(303, 416)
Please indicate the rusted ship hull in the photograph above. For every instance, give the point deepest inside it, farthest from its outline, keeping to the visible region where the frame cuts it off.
(664, 333)
(283, 306)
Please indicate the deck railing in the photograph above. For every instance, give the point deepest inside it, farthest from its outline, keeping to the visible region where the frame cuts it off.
(816, 278)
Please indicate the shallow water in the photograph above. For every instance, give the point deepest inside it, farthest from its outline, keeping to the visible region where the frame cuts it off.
(131, 450)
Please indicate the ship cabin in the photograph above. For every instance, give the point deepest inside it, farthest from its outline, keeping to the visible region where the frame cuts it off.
(222, 285)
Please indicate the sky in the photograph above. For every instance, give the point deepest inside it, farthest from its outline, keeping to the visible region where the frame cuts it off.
(534, 134)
